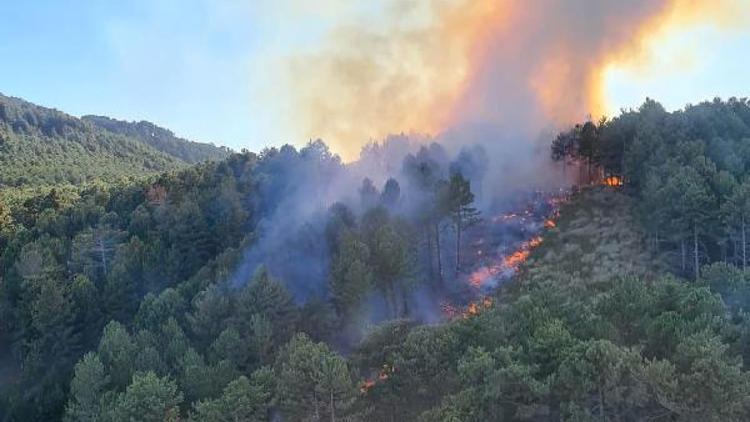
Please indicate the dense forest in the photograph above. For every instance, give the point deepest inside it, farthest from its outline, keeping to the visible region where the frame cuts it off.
(161, 139)
(689, 170)
(41, 146)
(243, 289)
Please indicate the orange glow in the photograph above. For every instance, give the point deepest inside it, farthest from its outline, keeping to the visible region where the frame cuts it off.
(478, 277)
(472, 309)
(366, 386)
(383, 374)
(511, 262)
(550, 224)
(399, 75)
(612, 181)
(424, 67)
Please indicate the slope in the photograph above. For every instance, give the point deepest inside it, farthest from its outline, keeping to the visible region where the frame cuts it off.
(42, 146)
(161, 139)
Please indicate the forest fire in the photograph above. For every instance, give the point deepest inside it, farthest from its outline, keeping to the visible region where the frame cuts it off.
(451, 311)
(383, 374)
(506, 264)
(502, 245)
(366, 386)
(612, 181)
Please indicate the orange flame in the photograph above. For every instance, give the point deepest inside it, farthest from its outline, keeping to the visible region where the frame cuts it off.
(612, 181)
(383, 374)
(472, 309)
(366, 386)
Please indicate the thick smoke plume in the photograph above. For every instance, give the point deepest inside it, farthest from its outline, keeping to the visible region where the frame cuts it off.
(442, 64)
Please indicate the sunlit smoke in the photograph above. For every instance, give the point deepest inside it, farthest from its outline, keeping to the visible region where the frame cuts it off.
(428, 66)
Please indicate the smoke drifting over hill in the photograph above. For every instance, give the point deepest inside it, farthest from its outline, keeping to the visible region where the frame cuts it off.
(445, 64)
(452, 76)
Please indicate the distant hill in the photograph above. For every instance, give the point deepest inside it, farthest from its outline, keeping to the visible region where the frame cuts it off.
(161, 139)
(39, 145)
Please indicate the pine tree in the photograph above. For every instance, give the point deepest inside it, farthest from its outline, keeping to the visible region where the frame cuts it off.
(351, 277)
(459, 200)
(86, 390)
(148, 398)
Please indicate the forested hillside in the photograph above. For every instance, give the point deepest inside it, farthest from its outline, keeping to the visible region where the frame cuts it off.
(688, 170)
(161, 139)
(41, 146)
(223, 291)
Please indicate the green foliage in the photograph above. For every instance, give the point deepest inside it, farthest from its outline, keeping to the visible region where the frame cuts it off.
(86, 390)
(265, 310)
(117, 350)
(351, 276)
(161, 139)
(148, 398)
(687, 170)
(242, 400)
(41, 146)
(312, 381)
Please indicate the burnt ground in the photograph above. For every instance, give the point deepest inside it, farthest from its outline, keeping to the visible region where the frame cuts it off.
(501, 241)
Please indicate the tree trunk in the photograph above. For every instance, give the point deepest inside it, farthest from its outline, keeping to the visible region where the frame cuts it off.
(315, 406)
(392, 299)
(684, 255)
(388, 304)
(333, 409)
(580, 173)
(695, 251)
(103, 254)
(458, 245)
(601, 405)
(405, 300)
(429, 252)
(744, 245)
(439, 259)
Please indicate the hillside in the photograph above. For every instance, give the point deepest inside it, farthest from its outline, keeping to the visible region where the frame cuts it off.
(161, 139)
(39, 146)
(236, 290)
(594, 329)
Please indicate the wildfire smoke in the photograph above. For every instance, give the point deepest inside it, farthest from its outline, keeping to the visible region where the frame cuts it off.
(428, 66)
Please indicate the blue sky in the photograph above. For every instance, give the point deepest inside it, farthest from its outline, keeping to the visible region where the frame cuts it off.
(193, 66)
(687, 65)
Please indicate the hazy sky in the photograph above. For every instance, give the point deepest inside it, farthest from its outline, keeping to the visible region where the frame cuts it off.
(215, 70)
(194, 66)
